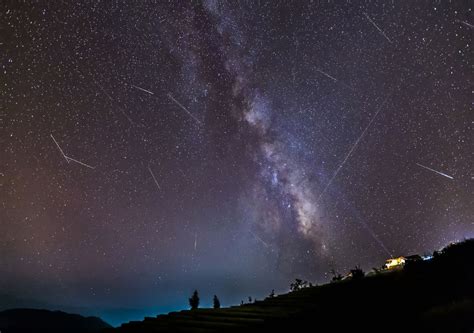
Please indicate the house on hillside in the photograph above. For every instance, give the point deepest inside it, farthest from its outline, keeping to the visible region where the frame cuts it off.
(394, 263)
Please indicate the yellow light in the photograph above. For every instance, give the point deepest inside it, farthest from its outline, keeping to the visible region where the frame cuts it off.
(395, 262)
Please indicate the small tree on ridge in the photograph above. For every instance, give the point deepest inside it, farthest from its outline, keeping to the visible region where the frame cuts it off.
(194, 300)
(217, 303)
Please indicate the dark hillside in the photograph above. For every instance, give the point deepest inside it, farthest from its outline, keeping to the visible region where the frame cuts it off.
(45, 321)
(435, 295)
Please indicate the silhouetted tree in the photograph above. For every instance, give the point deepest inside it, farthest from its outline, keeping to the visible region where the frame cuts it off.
(295, 285)
(335, 276)
(357, 273)
(272, 294)
(194, 300)
(217, 303)
(299, 284)
(250, 299)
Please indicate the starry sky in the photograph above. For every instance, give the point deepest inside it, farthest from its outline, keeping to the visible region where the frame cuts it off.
(149, 149)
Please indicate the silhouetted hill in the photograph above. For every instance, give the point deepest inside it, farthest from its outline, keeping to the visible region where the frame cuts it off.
(45, 321)
(111, 314)
(435, 295)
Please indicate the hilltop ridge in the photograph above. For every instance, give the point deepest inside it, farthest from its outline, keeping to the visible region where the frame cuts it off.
(435, 295)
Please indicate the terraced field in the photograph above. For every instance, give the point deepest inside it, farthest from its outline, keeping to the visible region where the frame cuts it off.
(431, 296)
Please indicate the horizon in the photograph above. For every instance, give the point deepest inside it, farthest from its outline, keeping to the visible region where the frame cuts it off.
(153, 149)
(117, 316)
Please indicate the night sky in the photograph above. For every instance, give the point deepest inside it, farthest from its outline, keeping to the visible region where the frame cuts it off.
(149, 149)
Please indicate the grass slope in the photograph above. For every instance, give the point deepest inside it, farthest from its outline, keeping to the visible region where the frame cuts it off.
(425, 296)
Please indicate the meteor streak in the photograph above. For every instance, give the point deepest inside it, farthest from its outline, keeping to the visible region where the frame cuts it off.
(147, 91)
(350, 152)
(79, 162)
(377, 27)
(259, 239)
(113, 102)
(438, 172)
(182, 107)
(154, 178)
(67, 158)
(59, 147)
(334, 79)
(327, 75)
(467, 24)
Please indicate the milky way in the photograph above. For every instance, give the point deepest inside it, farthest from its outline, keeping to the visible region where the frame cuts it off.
(156, 148)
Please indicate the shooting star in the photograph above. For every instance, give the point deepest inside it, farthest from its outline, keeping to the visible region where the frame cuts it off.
(438, 172)
(79, 162)
(467, 24)
(259, 239)
(59, 147)
(374, 236)
(154, 178)
(195, 240)
(327, 75)
(354, 146)
(334, 79)
(69, 159)
(182, 107)
(377, 27)
(147, 91)
(113, 102)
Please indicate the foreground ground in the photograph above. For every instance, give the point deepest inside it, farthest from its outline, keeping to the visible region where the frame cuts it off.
(426, 296)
